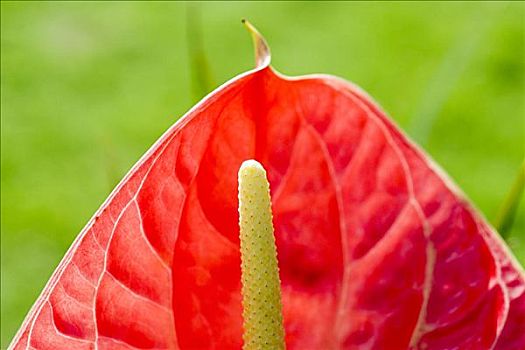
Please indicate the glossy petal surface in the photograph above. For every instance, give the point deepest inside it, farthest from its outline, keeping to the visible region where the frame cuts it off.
(376, 248)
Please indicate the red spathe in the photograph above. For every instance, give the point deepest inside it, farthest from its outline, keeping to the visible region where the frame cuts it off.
(377, 250)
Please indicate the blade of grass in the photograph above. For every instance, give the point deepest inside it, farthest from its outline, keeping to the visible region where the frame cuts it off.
(201, 75)
(507, 212)
(446, 76)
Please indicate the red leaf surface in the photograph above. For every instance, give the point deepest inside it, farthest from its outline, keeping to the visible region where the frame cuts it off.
(377, 250)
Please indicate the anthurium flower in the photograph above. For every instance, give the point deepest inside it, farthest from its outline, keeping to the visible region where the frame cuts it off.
(377, 249)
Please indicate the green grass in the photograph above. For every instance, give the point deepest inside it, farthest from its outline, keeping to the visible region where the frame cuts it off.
(86, 88)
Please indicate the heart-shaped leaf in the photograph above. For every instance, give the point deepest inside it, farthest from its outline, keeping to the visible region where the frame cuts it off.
(377, 249)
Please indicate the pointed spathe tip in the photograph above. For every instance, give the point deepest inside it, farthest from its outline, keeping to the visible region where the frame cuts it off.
(262, 50)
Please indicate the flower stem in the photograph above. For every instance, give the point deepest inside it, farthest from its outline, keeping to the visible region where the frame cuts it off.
(261, 291)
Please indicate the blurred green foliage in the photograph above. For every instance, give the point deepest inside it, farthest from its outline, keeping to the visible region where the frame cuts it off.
(87, 87)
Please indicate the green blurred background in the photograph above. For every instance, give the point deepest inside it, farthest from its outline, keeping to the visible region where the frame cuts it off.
(86, 88)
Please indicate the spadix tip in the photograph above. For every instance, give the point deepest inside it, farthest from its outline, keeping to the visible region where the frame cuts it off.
(251, 166)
